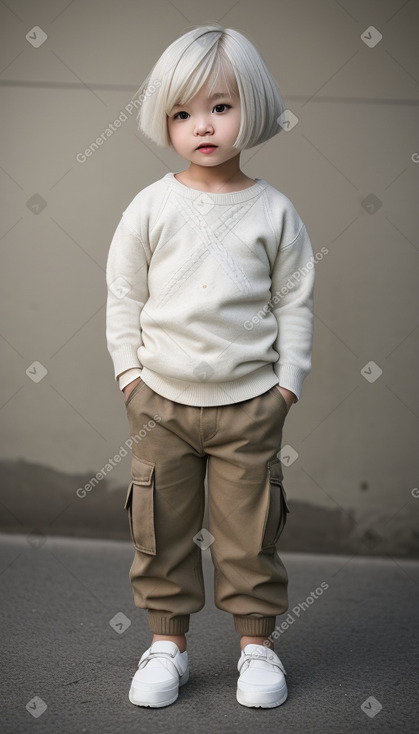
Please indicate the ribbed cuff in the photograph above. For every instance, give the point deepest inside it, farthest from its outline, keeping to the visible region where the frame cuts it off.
(128, 377)
(163, 625)
(257, 626)
(291, 377)
(125, 358)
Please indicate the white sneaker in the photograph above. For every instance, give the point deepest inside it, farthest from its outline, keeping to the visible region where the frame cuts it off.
(161, 670)
(262, 678)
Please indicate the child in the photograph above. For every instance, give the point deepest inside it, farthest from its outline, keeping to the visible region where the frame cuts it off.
(210, 280)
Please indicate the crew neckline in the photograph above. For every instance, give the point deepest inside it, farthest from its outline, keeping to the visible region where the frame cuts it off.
(232, 197)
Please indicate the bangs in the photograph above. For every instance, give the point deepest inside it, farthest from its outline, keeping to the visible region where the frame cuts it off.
(217, 70)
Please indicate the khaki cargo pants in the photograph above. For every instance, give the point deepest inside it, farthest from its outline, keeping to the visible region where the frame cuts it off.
(174, 446)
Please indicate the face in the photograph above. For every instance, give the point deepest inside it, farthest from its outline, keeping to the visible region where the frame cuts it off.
(214, 120)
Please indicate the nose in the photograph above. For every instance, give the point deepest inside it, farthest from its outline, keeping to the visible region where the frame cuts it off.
(203, 126)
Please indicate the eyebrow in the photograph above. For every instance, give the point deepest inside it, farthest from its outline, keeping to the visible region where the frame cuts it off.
(216, 95)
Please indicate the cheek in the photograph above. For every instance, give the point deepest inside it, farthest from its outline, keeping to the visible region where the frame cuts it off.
(177, 132)
(172, 133)
(234, 130)
(235, 121)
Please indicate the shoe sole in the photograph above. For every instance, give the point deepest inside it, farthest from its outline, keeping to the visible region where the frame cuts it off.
(154, 702)
(256, 700)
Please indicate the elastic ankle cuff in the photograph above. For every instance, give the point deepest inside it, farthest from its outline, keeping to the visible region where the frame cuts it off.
(163, 625)
(256, 626)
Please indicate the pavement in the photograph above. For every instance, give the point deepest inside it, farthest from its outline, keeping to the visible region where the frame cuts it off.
(72, 638)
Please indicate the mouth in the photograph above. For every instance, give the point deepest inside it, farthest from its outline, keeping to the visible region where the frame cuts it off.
(206, 145)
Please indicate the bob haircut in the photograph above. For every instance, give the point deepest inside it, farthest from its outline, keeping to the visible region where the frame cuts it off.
(201, 55)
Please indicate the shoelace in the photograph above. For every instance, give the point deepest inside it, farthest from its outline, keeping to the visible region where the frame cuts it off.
(270, 658)
(143, 662)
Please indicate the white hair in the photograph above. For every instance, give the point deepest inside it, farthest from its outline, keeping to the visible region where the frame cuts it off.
(198, 56)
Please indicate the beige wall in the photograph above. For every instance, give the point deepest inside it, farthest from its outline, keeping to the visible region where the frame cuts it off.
(357, 135)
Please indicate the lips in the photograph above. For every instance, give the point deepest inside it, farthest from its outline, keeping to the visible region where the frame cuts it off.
(206, 145)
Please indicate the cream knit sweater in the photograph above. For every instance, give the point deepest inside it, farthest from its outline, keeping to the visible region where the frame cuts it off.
(210, 296)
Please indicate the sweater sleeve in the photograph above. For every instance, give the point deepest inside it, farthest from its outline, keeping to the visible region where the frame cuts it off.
(293, 279)
(127, 292)
(128, 376)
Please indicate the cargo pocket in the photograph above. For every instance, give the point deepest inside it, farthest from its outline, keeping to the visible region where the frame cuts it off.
(140, 505)
(276, 515)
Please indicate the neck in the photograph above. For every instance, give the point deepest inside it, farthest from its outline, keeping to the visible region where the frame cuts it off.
(216, 179)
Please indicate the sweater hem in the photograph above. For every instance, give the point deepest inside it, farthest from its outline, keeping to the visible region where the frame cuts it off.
(207, 394)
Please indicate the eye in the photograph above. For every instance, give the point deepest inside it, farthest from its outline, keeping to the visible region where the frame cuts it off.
(176, 116)
(227, 106)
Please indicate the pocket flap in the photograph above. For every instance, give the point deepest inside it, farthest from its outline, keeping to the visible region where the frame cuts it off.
(277, 477)
(284, 498)
(277, 509)
(129, 494)
(141, 470)
(275, 471)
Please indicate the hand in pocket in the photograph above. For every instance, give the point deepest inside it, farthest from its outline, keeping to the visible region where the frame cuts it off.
(127, 390)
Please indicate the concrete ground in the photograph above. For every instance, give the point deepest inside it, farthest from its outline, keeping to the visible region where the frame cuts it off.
(72, 638)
